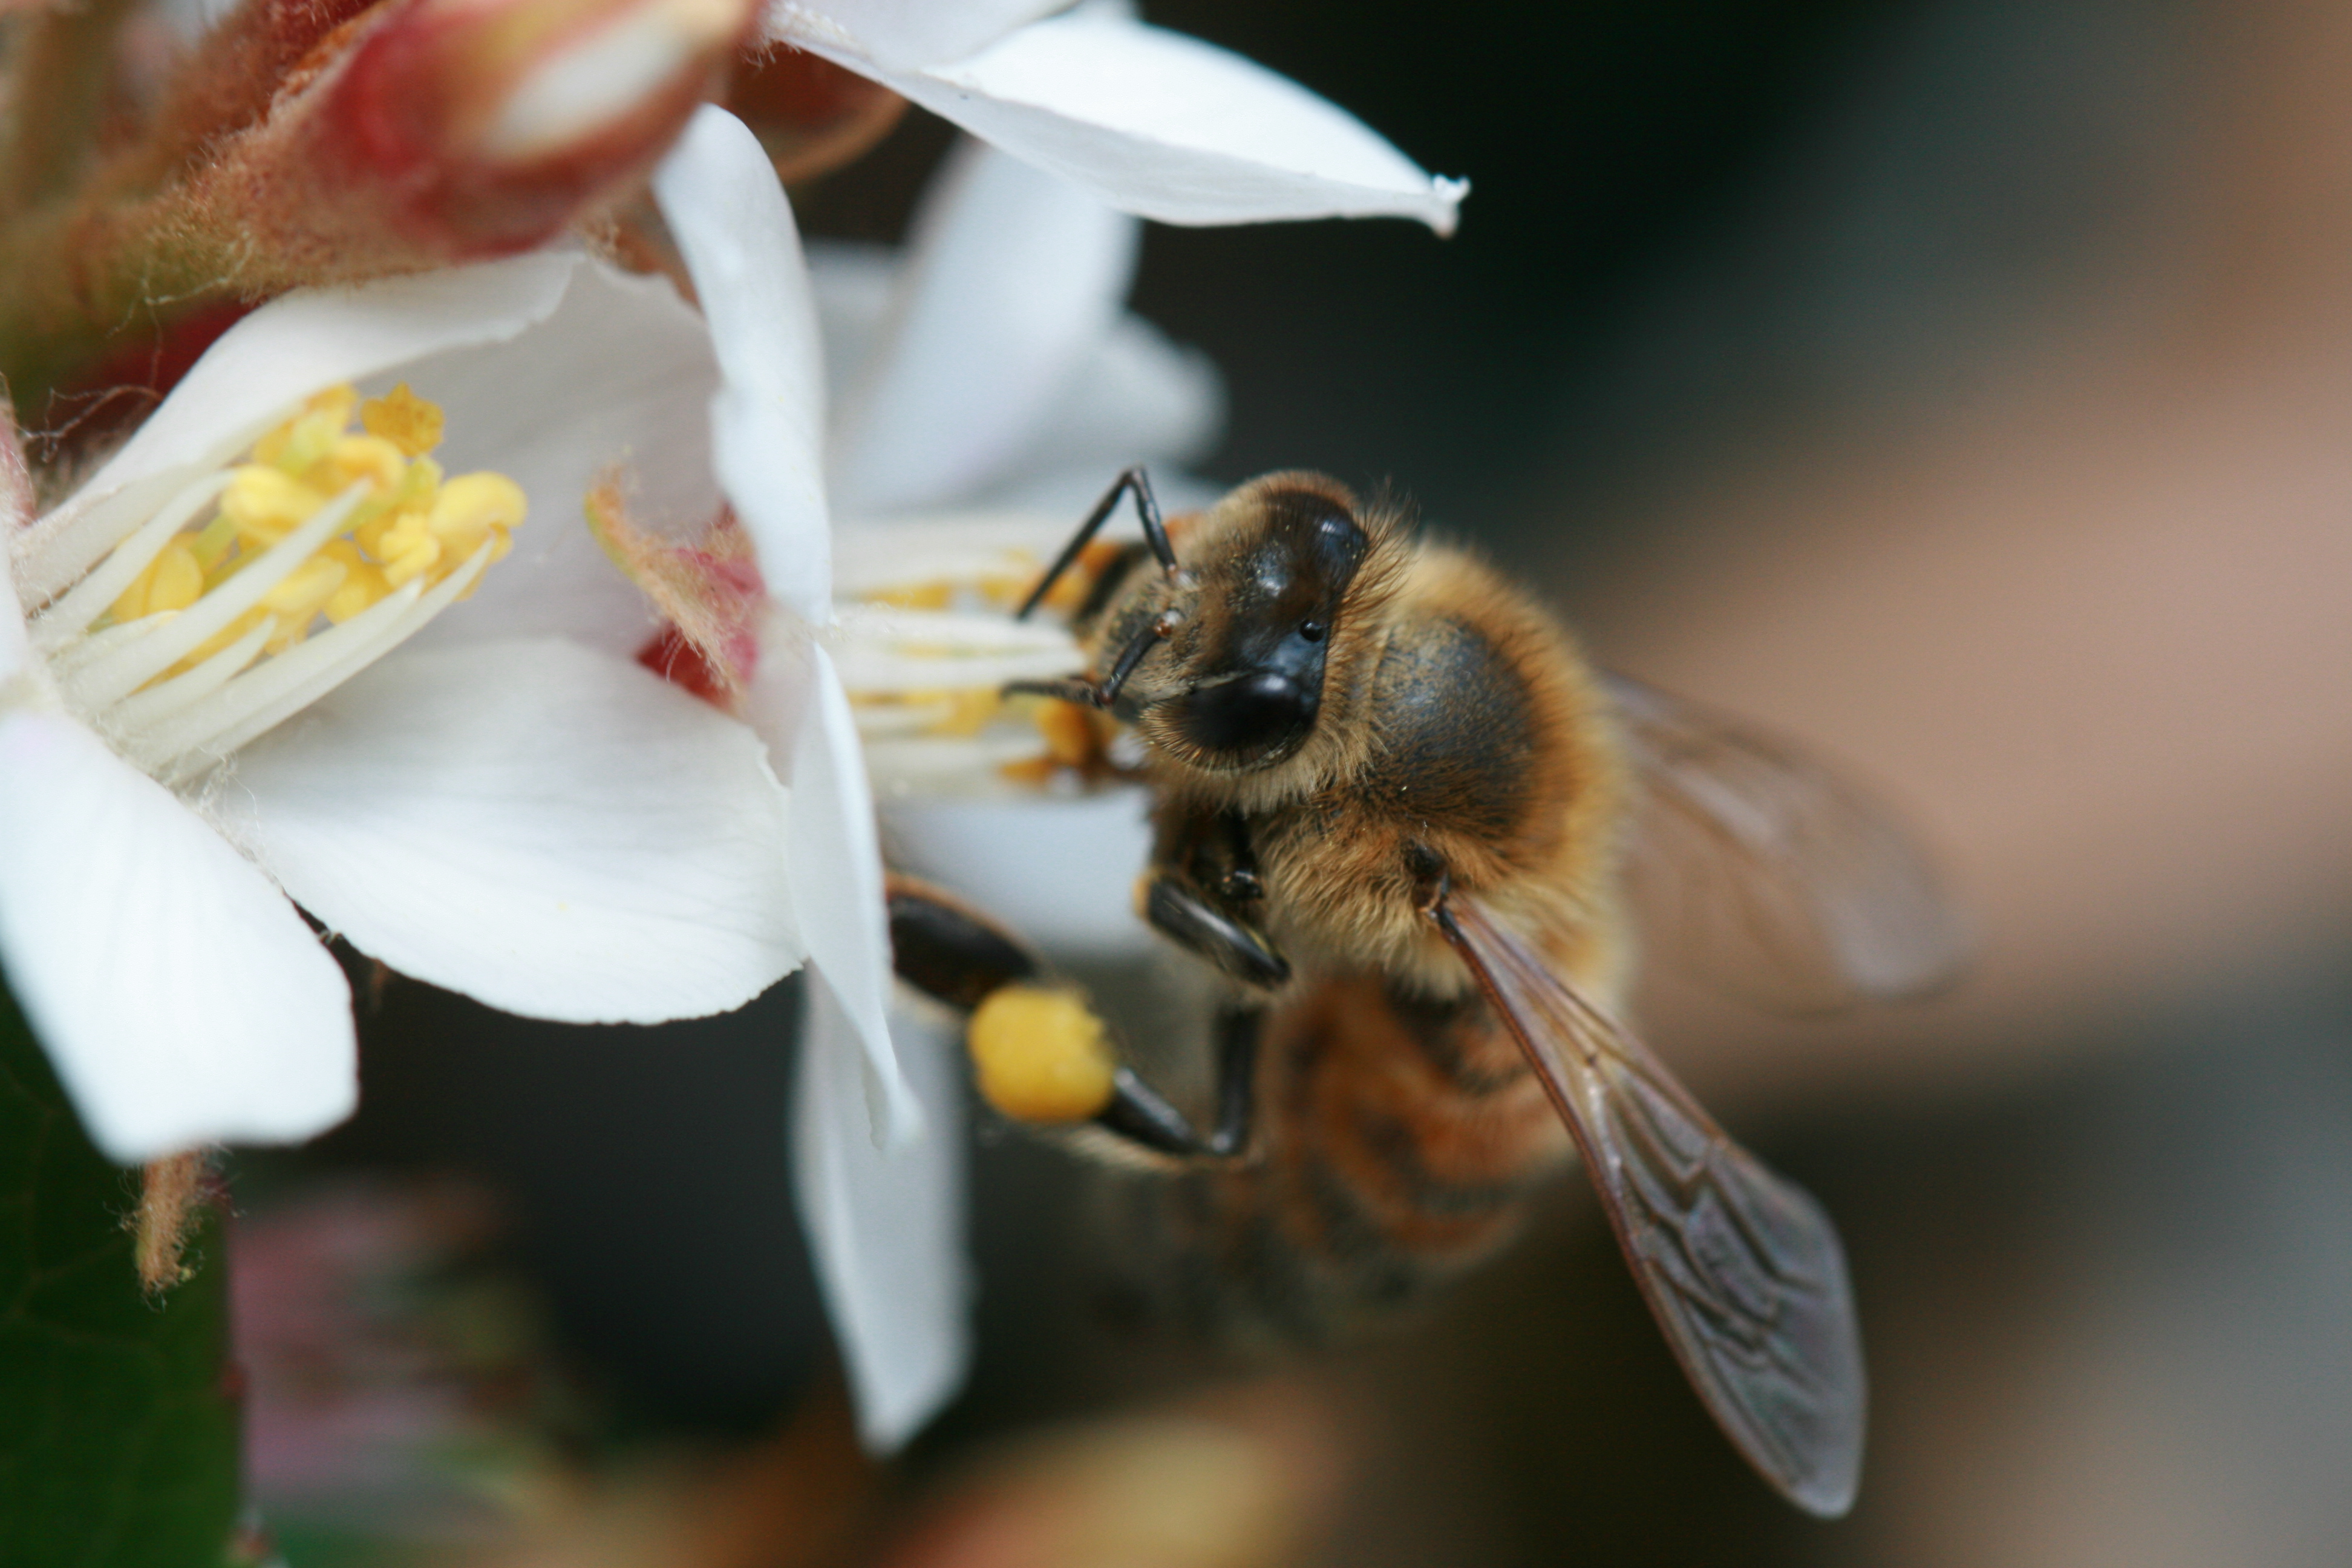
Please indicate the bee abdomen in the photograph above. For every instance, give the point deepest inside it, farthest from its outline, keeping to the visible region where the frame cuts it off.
(1399, 1142)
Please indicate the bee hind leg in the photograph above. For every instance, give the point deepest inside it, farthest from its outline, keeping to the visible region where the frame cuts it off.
(1140, 1114)
(1044, 1060)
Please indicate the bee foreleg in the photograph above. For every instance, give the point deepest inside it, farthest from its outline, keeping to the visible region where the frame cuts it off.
(1179, 912)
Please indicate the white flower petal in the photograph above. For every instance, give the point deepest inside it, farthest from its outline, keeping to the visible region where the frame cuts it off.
(853, 284)
(1134, 398)
(718, 193)
(797, 702)
(181, 997)
(1013, 276)
(886, 1229)
(900, 33)
(271, 361)
(619, 373)
(1167, 127)
(554, 832)
(1060, 871)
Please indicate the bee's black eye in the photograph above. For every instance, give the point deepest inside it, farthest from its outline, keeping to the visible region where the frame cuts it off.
(1311, 630)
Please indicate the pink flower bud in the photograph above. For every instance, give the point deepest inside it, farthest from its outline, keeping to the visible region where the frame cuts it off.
(453, 130)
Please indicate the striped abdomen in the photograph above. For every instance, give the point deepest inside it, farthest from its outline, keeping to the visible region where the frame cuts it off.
(1398, 1142)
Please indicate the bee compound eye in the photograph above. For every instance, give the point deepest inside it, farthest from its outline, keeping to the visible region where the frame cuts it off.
(1245, 719)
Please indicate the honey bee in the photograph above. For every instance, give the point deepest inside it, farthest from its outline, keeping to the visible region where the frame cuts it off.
(1397, 812)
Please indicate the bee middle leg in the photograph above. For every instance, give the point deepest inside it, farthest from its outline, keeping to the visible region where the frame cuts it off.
(956, 955)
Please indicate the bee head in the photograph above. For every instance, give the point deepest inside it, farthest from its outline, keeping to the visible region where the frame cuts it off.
(1244, 679)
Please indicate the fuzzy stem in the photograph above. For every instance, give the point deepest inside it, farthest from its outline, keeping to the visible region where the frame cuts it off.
(169, 1192)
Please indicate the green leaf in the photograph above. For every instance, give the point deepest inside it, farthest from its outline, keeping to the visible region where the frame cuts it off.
(118, 1423)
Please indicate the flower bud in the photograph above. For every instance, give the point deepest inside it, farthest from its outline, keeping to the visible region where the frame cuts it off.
(810, 114)
(458, 128)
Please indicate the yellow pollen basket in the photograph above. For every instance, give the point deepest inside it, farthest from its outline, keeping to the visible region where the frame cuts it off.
(410, 521)
(1040, 1055)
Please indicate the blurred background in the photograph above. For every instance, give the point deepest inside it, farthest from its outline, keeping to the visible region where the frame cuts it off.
(1964, 387)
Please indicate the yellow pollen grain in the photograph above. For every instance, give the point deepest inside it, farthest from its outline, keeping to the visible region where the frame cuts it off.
(1040, 1055)
(404, 419)
(412, 522)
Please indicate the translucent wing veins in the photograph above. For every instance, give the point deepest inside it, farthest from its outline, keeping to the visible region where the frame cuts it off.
(1778, 880)
(1741, 1268)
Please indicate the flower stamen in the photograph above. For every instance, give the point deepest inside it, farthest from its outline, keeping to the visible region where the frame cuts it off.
(321, 551)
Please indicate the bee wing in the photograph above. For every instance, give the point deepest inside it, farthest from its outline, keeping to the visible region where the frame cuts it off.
(1782, 884)
(1741, 1267)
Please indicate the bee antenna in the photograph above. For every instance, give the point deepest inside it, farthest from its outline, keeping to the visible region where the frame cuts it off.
(1101, 695)
(1147, 510)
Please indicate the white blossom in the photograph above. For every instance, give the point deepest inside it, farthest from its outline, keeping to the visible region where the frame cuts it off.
(489, 796)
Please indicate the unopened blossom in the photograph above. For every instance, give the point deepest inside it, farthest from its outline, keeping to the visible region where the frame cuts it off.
(1151, 121)
(327, 624)
(299, 142)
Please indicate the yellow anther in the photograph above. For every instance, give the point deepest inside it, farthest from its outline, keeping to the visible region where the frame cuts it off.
(1007, 589)
(303, 440)
(334, 402)
(472, 507)
(404, 419)
(305, 590)
(967, 712)
(172, 581)
(213, 541)
(370, 457)
(409, 524)
(1040, 1055)
(419, 485)
(383, 534)
(267, 505)
(1069, 730)
(362, 583)
(419, 554)
(916, 596)
(219, 640)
